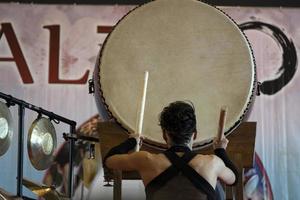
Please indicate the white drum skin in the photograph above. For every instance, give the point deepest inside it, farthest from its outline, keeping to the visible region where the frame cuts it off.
(193, 51)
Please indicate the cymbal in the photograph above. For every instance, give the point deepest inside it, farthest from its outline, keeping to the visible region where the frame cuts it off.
(89, 134)
(48, 193)
(91, 167)
(4, 195)
(6, 130)
(41, 143)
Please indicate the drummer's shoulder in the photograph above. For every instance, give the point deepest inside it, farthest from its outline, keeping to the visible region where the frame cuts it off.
(208, 158)
(145, 156)
(215, 160)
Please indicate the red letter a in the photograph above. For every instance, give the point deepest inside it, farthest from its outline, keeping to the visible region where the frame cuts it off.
(16, 51)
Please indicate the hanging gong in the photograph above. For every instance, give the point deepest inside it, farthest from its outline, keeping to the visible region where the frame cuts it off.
(6, 130)
(41, 143)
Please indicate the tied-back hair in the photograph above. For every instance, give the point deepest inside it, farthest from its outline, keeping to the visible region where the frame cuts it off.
(178, 119)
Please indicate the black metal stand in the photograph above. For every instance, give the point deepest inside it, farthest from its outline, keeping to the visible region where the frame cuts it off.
(20, 150)
(70, 178)
(22, 105)
(72, 138)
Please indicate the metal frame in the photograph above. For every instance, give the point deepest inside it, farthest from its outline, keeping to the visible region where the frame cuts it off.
(22, 105)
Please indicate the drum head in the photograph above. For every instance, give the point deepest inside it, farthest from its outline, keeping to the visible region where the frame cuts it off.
(192, 51)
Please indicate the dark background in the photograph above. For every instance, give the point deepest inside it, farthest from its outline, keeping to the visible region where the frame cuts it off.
(260, 3)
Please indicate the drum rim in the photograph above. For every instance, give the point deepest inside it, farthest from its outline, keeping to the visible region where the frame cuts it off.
(201, 144)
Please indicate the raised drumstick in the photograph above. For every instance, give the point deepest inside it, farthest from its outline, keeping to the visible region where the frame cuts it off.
(142, 109)
(222, 120)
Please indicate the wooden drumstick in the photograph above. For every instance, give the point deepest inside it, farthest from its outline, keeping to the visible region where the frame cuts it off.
(142, 109)
(222, 120)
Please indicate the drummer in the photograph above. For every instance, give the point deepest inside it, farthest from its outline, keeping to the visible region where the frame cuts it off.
(177, 173)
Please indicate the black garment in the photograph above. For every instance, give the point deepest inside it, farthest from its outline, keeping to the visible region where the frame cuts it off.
(122, 148)
(179, 181)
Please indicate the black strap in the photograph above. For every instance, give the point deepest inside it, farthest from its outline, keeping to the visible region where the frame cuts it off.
(178, 148)
(171, 171)
(181, 165)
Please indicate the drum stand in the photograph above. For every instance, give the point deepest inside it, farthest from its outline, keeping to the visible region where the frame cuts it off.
(240, 150)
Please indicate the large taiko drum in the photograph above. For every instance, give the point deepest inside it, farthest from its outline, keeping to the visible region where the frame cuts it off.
(193, 51)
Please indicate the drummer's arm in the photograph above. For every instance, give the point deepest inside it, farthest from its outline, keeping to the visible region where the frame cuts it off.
(127, 162)
(118, 157)
(228, 173)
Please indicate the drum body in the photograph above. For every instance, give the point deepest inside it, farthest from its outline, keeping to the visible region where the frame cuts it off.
(193, 52)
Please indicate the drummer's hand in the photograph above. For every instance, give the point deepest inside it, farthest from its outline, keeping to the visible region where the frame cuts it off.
(221, 143)
(139, 138)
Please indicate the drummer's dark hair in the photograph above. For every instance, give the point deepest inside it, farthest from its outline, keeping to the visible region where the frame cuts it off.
(178, 119)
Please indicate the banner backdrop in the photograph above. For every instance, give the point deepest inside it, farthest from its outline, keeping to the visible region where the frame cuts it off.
(275, 38)
(48, 53)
